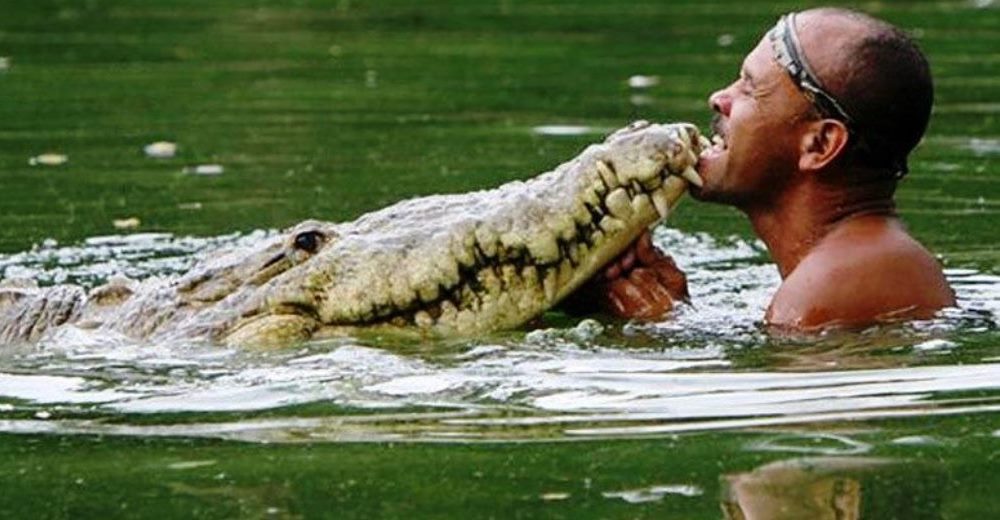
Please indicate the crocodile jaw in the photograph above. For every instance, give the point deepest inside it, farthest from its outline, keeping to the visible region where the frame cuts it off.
(471, 263)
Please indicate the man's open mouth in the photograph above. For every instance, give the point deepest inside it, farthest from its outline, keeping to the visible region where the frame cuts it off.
(719, 143)
(712, 150)
(716, 146)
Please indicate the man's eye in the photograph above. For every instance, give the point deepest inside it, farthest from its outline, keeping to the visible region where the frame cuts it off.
(308, 241)
(745, 87)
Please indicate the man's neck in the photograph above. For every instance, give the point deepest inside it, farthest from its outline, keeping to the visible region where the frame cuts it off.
(795, 221)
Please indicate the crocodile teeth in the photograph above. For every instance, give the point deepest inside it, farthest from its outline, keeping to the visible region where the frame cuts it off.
(580, 215)
(428, 292)
(691, 176)
(641, 204)
(692, 157)
(423, 319)
(610, 224)
(543, 248)
(651, 183)
(549, 285)
(618, 204)
(703, 142)
(607, 175)
(448, 311)
(565, 274)
(661, 203)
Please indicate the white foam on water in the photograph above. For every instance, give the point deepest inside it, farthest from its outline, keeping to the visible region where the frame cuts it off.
(654, 493)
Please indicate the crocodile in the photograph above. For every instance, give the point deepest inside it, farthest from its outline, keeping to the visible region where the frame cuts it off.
(456, 264)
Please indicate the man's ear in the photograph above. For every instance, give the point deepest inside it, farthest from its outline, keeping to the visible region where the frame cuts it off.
(822, 143)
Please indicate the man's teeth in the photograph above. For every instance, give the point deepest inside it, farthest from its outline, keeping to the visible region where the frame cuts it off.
(718, 145)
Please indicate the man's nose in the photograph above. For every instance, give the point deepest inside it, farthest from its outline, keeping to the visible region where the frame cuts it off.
(721, 102)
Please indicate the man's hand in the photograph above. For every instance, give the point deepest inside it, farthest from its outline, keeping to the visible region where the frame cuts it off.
(642, 283)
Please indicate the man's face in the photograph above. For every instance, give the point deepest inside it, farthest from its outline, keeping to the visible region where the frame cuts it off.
(760, 118)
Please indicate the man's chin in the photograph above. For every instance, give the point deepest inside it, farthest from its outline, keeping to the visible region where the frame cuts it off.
(697, 193)
(712, 190)
(707, 171)
(706, 194)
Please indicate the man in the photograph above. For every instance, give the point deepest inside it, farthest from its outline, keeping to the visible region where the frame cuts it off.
(816, 132)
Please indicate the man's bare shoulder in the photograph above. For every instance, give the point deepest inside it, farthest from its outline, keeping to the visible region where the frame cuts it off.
(862, 272)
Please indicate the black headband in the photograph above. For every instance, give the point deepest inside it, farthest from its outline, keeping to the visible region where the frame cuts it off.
(788, 53)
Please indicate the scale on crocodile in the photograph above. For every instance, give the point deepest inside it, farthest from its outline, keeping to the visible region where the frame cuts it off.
(459, 264)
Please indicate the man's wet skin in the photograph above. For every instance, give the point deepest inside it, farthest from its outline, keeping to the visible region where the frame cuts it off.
(643, 283)
(830, 226)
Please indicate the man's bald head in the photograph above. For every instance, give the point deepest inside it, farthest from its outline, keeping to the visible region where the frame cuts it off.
(880, 77)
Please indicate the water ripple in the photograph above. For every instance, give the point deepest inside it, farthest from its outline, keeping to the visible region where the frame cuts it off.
(709, 366)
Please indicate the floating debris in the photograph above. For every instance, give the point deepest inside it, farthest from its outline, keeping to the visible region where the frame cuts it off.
(563, 130)
(43, 415)
(641, 100)
(548, 497)
(48, 159)
(918, 440)
(639, 81)
(160, 150)
(4, 63)
(725, 40)
(654, 493)
(126, 223)
(935, 345)
(191, 464)
(982, 147)
(943, 166)
(189, 206)
(206, 169)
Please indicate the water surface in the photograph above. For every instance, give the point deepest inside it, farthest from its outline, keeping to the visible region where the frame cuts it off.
(330, 109)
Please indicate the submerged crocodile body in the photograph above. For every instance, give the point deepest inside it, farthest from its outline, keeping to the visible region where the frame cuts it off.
(446, 264)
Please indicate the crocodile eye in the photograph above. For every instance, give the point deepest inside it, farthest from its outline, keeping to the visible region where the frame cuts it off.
(309, 241)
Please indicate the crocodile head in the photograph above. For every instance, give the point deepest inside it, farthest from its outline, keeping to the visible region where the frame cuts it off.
(465, 263)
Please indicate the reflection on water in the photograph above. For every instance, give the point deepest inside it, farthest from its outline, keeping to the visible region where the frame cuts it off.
(708, 367)
(831, 488)
(262, 501)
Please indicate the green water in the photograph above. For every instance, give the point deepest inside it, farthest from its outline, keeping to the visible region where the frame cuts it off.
(328, 109)
(73, 477)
